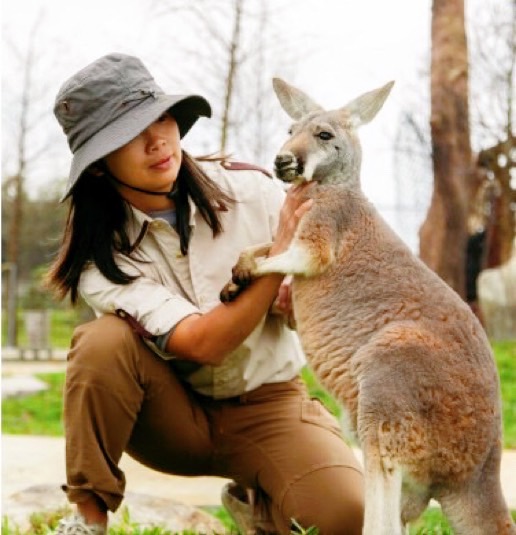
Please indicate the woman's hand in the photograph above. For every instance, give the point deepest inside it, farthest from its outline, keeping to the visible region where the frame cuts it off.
(297, 203)
(283, 303)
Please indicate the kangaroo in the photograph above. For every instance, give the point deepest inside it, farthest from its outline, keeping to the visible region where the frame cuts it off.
(399, 349)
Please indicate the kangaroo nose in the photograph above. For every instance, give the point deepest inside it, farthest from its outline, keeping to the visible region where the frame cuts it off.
(288, 166)
(283, 160)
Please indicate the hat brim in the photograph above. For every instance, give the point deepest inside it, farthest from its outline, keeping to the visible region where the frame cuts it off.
(185, 109)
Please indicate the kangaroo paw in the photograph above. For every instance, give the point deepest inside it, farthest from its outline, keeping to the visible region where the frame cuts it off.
(243, 273)
(245, 270)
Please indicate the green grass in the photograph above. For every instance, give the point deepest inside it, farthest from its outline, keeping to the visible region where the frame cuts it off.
(431, 522)
(318, 391)
(37, 414)
(44, 523)
(62, 323)
(505, 353)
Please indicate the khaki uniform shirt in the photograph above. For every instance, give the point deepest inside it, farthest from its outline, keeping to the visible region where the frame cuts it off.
(171, 286)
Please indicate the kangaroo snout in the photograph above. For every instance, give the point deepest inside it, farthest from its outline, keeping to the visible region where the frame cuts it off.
(287, 167)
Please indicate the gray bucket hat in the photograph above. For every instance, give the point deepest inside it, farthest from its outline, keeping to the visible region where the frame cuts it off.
(110, 102)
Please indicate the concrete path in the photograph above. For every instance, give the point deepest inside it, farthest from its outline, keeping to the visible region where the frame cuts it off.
(35, 460)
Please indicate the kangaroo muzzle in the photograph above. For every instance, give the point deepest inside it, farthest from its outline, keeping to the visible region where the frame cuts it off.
(287, 167)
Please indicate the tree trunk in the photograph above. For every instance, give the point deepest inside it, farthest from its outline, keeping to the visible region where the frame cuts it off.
(231, 75)
(443, 235)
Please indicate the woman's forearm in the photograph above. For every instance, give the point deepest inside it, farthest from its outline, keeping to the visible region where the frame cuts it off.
(208, 338)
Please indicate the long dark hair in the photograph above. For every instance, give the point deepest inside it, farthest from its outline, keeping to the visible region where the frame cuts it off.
(97, 219)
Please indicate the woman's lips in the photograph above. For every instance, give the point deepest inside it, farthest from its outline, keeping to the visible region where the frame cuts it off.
(162, 164)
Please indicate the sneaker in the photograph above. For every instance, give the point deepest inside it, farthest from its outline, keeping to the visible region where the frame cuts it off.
(235, 500)
(76, 525)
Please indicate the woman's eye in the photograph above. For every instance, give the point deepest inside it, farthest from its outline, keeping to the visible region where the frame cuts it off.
(325, 136)
(162, 118)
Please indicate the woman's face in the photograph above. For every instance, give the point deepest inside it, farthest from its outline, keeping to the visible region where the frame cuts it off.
(151, 161)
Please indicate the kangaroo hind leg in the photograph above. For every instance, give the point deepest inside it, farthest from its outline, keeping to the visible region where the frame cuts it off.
(414, 501)
(382, 496)
(478, 507)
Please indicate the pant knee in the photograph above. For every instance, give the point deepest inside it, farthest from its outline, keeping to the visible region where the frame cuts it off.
(104, 347)
(96, 340)
(331, 499)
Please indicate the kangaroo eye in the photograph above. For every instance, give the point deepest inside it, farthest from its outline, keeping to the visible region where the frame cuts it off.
(325, 136)
(290, 131)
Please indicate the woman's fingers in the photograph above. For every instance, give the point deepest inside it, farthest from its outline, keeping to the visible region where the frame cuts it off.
(299, 192)
(296, 204)
(303, 208)
(285, 296)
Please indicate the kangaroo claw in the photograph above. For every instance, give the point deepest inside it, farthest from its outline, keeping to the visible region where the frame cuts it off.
(230, 292)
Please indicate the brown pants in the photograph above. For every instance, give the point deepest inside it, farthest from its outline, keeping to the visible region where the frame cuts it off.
(122, 397)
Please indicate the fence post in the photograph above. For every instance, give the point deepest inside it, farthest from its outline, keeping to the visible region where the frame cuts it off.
(37, 327)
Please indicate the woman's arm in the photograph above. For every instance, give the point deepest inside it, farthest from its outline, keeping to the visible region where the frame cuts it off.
(209, 337)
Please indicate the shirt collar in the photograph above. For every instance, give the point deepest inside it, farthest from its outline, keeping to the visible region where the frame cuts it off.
(138, 221)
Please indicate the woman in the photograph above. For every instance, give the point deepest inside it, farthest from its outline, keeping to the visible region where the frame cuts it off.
(181, 382)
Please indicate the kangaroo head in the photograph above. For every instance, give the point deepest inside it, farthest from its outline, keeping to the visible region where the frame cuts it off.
(324, 145)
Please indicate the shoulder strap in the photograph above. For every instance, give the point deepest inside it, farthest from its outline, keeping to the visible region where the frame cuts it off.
(242, 166)
(135, 325)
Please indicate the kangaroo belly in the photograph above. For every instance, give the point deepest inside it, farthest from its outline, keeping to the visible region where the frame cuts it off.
(326, 339)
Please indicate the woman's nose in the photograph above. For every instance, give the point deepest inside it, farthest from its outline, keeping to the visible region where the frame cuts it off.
(157, 143)
(155, 140)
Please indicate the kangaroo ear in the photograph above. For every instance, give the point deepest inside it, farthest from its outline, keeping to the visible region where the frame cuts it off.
(296, 103)
(365, 107)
